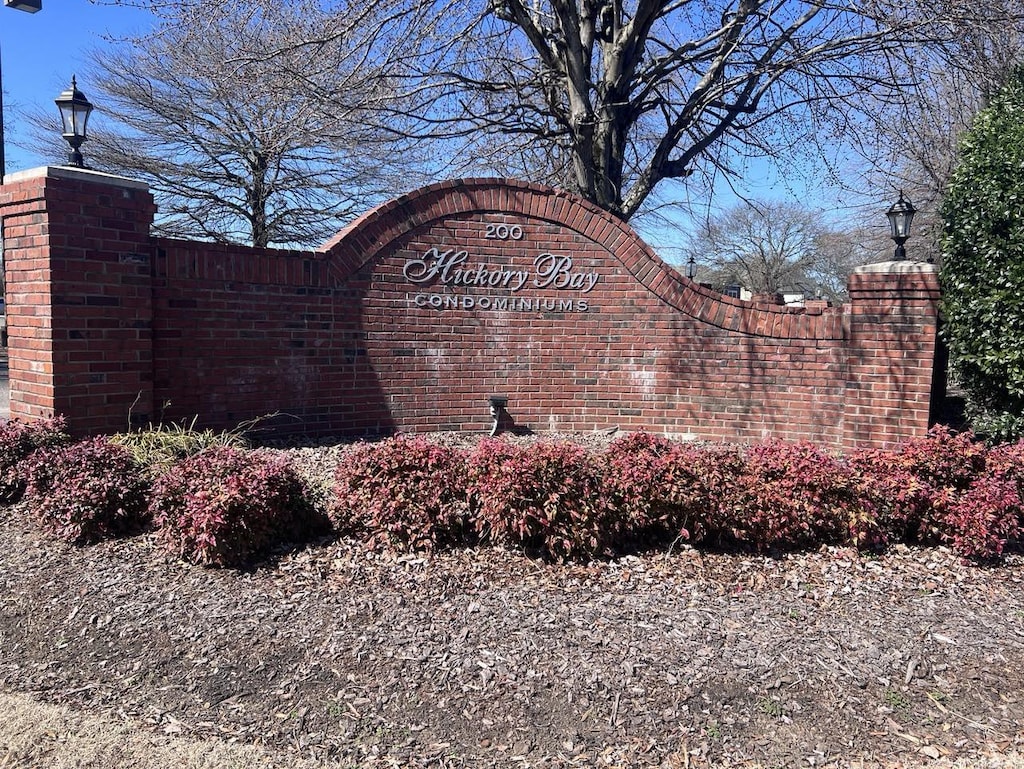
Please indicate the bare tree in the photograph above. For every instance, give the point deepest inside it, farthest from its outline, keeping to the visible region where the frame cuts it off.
(909, 136)
(838, 251)
(613, 97)
(772, 247)
(245, 129)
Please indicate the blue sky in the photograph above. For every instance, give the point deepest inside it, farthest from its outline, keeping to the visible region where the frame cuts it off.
(41, 51)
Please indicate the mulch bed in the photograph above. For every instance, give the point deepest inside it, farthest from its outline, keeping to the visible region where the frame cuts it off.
(486, 658)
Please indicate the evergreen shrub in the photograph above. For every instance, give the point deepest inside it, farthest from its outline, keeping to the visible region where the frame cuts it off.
(983, 265)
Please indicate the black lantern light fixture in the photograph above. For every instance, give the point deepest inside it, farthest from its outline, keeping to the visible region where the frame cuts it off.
(691, 268)
(901, 214)
(74, 112)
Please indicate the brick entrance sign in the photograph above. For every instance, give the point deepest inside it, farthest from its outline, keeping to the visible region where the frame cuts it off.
(421, 310)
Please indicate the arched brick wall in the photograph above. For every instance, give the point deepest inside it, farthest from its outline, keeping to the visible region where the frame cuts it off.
(426, 306)
(652, 349)
(384, 230)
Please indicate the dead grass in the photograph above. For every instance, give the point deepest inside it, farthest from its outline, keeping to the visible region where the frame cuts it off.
(38, 736)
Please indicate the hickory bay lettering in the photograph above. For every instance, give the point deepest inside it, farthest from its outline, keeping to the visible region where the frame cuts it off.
(451, 268)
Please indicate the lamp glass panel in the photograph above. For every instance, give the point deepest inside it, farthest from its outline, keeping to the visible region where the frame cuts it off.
(82, 112)
(74, 116)
(899, 222)
(67, 114)
(907, 218)
(901, 214)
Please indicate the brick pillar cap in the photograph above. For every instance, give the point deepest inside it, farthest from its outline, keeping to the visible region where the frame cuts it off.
(69, 172)
(902, 267)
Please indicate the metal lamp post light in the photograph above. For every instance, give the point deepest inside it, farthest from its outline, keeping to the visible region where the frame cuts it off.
(901, 214)
(74, 112)
(691, 268)
(29, 6)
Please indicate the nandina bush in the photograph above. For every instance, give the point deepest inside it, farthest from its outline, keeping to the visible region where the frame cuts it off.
(87, 491)
(545, 498)
(227, 506)
(638, 484)
(911, 487)
(898, 501)
(1007, 459)
(705, 484)
(404, 493)
(792, 495)
(943, 458)
(663, 491)
(17, 442)
(981, 520)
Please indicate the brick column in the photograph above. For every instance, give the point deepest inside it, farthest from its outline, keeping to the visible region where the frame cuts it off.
(891, 350)
(79, 305)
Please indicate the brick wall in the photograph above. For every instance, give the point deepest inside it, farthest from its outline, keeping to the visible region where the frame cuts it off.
(423, 308)
(79, 304)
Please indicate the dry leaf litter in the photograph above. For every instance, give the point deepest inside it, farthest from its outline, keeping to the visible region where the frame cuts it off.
(486, 658)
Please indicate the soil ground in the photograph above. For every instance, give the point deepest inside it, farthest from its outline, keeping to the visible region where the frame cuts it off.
(120, 656)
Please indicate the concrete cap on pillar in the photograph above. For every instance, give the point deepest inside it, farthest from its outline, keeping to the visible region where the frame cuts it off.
(896, 267)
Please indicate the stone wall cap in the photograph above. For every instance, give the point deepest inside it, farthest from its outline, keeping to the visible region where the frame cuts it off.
(896, 267)
(70, 172)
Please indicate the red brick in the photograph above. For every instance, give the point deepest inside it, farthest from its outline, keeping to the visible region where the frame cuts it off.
(234, 333)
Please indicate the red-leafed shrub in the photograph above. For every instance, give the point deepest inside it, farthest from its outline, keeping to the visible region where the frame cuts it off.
(639, 478)
(663, 491)
(792, 494)
(545, 498)
(944, 459)
(984, 518)
(226, 506)
(405, 493)
(1007, 459)
(981, 520)
(86, 491)
(901, 503)
(17, 441)
(706, 484)
(911, 487)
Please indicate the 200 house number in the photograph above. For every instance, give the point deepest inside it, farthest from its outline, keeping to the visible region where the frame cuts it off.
(503, 232)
